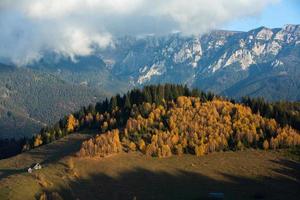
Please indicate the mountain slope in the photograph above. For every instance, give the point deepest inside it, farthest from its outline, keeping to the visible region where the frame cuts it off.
(258, 62)
(15, 125)
(89, 71)
(31, 99)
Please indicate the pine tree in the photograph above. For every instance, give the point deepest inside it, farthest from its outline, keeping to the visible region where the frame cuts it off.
(127, 104)
(113, 103)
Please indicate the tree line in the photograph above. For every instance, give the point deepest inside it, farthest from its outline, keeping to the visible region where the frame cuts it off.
(285, 113)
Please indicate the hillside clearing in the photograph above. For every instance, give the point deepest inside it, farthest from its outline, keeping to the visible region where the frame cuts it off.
(251, 174)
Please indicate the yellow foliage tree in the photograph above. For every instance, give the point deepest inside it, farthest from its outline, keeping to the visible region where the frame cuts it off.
(38, 141)
(72, 123)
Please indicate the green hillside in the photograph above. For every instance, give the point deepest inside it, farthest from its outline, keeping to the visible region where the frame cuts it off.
(13, 124)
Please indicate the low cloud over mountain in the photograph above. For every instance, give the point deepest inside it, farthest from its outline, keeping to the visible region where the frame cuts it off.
(77, 27)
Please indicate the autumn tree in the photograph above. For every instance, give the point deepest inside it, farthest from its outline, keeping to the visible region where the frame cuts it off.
(72, 123)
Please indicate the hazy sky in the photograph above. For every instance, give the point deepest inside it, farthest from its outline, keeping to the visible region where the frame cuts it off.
(74, 27)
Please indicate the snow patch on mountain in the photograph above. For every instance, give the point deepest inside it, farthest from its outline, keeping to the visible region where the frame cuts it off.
(218, 64)
(241, 56)
(277, 63)
(242, 43)
(280, 36)
(273, 47)
(190, 52)
(183, 55)
(143, 70)
(258, 48)
(219, 43)
(264, 34)
(289, 34)
(215, 44)
(156, 69)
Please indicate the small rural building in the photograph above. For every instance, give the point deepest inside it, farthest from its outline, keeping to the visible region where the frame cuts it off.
(37, 166)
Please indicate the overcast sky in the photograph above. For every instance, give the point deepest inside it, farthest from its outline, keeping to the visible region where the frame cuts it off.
(72, 27)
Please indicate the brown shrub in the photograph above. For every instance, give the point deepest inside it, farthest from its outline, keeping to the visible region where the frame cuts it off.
(132, 146)
(142, 146)
(164, 151)
(102, 145)
(70, 164)
(151, 150)
(266, 145)
(178, 149)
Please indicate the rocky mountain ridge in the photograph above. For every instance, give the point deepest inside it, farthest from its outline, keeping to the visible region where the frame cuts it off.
(192, 60)
(260, 62)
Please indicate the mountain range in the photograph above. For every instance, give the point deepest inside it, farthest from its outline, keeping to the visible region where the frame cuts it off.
(261, 62)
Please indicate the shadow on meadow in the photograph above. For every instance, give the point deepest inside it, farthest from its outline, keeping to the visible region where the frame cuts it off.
(51, 153)
(144, 184)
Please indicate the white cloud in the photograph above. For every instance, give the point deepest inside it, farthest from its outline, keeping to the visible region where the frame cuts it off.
(73, 27)
(198, 16)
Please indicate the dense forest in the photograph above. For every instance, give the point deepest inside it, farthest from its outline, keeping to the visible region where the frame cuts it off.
(161, 120)
(187, 125)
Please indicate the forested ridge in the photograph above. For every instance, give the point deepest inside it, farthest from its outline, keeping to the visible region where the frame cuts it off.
(30, 99)
(188, 125)
(161, 120)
